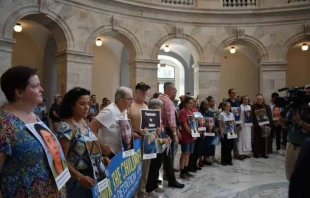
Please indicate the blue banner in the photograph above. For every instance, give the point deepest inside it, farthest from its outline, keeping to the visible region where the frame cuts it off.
(124, 174)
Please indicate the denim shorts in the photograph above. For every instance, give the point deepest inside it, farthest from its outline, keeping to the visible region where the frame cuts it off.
(187, 147)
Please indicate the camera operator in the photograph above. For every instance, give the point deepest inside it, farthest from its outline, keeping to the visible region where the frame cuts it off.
(297, 122)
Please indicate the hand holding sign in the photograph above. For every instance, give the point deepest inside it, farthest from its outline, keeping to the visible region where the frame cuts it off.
(86, 182)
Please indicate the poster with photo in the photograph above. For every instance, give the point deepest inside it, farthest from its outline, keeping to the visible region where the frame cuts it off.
(192, 123)
(149, 146)
(96, 158)
(266, 131)
(261, 116)
(53, 151)
(230, 129)
(237, 114)
(276, 113)
(161, 147)
(248, 118)
(201, 121)
(126, 134)
(210, 126)
(150, 119)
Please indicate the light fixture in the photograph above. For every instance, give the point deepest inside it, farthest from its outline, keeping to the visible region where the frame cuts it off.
(232, 50)
(18, 27)
(98, 42)
(167, 48)
(304, 47)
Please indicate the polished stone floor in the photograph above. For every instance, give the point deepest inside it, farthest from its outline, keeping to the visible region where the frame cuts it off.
(256, 178)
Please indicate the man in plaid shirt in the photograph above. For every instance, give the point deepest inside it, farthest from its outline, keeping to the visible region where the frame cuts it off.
(169, 121)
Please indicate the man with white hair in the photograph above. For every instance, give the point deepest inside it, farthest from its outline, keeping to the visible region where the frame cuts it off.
(106, 122)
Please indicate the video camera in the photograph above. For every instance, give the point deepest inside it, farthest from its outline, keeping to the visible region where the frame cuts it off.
(296, 97)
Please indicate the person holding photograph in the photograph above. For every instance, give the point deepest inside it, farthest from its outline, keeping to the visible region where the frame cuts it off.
(259, 146)
(156, 163)
(126, 134)
(244, 136)
(227, 144)
(187, 141)
(208, 150)
(73, 134)
(52, 145)
(19, 148)
(149, 143)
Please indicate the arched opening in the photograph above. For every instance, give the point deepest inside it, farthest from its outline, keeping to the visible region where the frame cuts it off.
(111, 64)
(170, 70)
(298, 63)
(182, 54)
(37, 45)
(239, 70)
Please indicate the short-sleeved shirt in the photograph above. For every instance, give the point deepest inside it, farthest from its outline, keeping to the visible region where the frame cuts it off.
(55, 107)
(223, 117)
(26, 171)
(77, 155)
(233, 103)
(110, 132)
(168, 111)
(186, 136)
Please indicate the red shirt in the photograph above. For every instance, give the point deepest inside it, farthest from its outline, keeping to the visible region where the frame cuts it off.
(186, 136)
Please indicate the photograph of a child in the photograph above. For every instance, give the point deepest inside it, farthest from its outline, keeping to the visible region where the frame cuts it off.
(248, 116)
(261, 116)
(237, 113)
(276, 113)
(201, 124)
(126, 134)
(99, 170)
(192, 123)
(210, 127)
(150, 139)
(55, 154)
(230, 127)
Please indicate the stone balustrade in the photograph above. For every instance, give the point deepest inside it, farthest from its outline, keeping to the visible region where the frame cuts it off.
(298, 1)
(239, 3)
(179, 2)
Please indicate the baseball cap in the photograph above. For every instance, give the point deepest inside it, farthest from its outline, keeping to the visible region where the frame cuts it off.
(142, 85)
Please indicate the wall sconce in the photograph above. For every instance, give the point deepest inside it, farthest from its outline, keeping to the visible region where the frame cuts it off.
(304, 47)
(167, 48)
(232, 50)
(98, 42)
(18, 27)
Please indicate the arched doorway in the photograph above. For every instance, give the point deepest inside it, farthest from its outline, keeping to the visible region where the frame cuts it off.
(38, 45)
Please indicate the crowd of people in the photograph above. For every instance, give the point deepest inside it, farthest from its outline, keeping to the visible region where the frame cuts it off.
(77, 118)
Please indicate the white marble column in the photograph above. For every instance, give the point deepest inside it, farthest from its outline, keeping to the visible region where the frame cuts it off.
(207, 80)
(272, 76)
(6, 60)
(74, 69)
(144, 70)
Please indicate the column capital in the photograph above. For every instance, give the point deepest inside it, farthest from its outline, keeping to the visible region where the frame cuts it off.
(144, 63)
(273, 66)
(74, 56)
(6, 44)
(207, 66)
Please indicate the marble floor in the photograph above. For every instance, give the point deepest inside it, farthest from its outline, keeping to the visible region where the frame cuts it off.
(255, 178)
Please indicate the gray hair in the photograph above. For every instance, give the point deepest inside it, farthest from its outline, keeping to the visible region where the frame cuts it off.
(121, 92)
(154, 102)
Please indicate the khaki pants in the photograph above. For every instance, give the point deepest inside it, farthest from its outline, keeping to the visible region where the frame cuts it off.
(145, 172)
(291, 155)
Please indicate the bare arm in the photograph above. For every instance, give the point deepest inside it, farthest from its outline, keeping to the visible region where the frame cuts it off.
(2, 160)
(85, 181)
(187, 128)
(95, 125)
(55, 114)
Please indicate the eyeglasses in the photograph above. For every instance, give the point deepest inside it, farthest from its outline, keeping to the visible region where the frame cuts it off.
(129, 99)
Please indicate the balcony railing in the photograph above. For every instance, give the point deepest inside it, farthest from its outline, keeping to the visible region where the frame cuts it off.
(179, 2)
(239, 3)
(298, 1)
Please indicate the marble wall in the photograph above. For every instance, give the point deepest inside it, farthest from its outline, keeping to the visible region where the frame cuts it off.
(143, 30)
